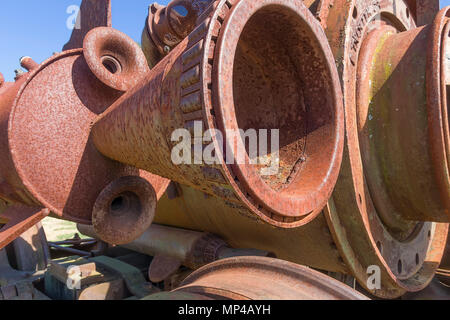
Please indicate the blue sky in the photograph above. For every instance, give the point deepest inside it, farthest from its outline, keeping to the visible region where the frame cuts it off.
(37, 28)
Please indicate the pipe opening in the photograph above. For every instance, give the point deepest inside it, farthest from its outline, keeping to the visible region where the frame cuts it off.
(280, 81)
(111, 64)
(124, 210)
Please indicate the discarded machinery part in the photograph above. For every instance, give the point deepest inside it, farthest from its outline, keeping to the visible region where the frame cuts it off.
(124, 210)
(31, 251)
(195, 81)
(257, 278)
(131, 275)
(44, 164)
(193, 249)
(162, 267)
(425, 10)
(28, 63)
(92, 14)
(18, 219)
(313, 243)
(167, 26)
(406, 252)
(114, 58)
(406, 163)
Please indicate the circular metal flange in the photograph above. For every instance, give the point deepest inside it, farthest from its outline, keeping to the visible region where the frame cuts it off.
(114, 58)
(259, 278)
(124, 210)
(407, 261)
(251, 76)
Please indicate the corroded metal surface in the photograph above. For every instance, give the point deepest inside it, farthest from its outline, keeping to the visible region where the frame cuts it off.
(407, 258)
(190, 248)
(194, 83)
(167, 26)
(92, 14)
(232, 65)
(255, 278)
(18, 219)
(47, 157)
(310, 245)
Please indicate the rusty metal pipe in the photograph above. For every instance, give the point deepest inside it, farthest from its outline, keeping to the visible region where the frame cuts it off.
(228, 74)
(191, 248)
(28, 63)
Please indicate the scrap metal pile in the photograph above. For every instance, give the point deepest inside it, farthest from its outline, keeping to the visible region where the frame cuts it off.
(356, 89)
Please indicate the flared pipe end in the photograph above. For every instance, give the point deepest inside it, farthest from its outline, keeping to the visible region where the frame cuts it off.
(124, 210)
(279, 77)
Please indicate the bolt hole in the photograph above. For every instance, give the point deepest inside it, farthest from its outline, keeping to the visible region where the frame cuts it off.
(355, 13)
(111, 64)
(429, 234)
(400, 267)
(360, 199)
(380, 246)
(407, 13)
(417, 259)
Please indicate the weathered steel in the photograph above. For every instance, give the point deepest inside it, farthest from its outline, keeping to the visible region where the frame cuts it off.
(166, 27)
(357, 233)
(195, 83)
(190, 248)
(44, 164)
(17, 220)
(256, 278)
(92, 14)
(310, 245)
(124, 210)
(367, 231)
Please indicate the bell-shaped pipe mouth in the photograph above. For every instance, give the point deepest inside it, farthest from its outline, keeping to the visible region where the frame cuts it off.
(114, 58)
(124, 210)
(274, 71)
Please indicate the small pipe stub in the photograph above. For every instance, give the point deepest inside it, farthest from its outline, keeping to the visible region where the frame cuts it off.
(114, 58)
(28, 63)
(124, 210)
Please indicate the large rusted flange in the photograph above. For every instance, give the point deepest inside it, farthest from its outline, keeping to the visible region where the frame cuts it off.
(259, 278)
(368, 229)
(229, 74)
